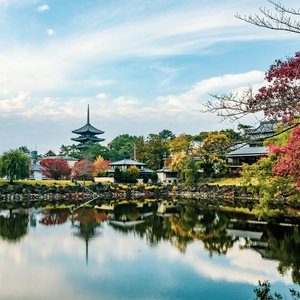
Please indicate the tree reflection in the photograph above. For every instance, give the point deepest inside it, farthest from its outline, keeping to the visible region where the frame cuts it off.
(284, 245)
(54, 216)
(14, 226)
(188, 224)
(194, 223)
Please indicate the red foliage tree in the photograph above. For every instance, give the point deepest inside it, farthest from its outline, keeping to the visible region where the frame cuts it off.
(55, 168)
(289, 158)
(281, 98)
(83, 169)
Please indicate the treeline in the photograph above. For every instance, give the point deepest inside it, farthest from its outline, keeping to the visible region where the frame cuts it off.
(153, 150)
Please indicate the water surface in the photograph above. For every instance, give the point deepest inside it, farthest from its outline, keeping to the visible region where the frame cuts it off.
(137, 253)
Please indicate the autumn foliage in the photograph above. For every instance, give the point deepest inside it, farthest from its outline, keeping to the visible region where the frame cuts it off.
(101, 166)
(280, 98)
(83, 169)
(55, 168)
(288, 163)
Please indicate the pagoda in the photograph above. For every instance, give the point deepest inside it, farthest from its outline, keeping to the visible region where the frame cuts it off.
(87, 133)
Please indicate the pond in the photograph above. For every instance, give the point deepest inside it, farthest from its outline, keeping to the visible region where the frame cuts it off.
(143, 252)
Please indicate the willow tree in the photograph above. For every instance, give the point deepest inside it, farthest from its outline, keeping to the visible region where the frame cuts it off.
(14, 165)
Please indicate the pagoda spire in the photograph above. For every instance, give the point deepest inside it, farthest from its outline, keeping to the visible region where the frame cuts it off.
(88, 133)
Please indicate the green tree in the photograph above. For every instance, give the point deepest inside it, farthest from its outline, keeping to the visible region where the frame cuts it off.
(49, 153)
(92, 151)
(118, 175)
(189, 172)
(69, 150)
(155, 148)
(140, 149)
(24, 150)
(211, 154)
(166, 135)
(121, 147)
(15, 165)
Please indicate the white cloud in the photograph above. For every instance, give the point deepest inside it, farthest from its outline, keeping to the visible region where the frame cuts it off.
(237, 266)
(102, 96)
(125, 101)
(48, 101)
(15, 105)
(43, 7)
(52, 65)
(50, 31)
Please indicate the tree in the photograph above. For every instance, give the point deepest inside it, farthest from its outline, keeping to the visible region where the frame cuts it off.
(49, 153)
(101, 166)
(15, 165)
(55, 168)
(189, 172)
(177, 161)
(182, 143)
(166, 135)
(154, 150)
(211, 154)
(24, 150)
(280, 18)
(278, 100)
(83, 169)
(121, 147)
(288, 163)
(92, 151)
(118, 175)
(134, 173)
(140, 149)
(69, 150)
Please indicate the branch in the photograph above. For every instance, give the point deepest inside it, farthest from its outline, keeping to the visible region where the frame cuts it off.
(280, 20)
(232, 106)
(239, 144)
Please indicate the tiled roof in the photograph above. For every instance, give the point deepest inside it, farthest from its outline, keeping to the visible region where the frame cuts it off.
(127, 162)
(67, 157)
(85, 138)
(88, 128)
(248, 151)
(165, 170)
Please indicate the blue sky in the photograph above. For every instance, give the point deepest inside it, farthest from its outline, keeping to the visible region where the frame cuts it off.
(143, 66)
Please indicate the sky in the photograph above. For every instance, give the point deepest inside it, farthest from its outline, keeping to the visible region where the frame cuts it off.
(142, 65)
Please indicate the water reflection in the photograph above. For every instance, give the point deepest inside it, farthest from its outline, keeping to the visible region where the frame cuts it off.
(87, 223)
(14, 226)
(186, 243)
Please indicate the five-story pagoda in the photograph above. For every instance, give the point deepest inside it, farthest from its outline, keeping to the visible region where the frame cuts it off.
(87, 133)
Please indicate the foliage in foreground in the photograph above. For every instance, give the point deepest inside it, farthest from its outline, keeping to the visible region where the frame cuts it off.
(263, 292)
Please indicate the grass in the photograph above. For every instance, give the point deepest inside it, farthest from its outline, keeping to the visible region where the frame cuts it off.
(226, 181)
(46, 182)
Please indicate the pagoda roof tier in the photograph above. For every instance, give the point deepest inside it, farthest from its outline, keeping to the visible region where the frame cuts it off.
(87, 138)
(88, 129)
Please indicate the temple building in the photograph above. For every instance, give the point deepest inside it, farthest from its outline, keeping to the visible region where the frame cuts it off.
(251, 152)
(87, 133)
